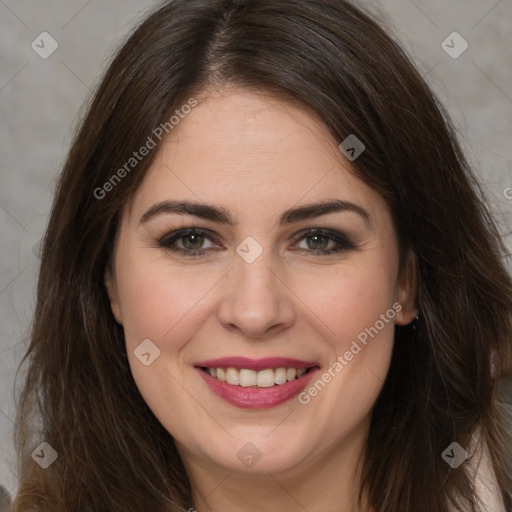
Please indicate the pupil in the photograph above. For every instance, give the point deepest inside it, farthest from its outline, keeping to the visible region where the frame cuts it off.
(315, 239)
(198, 241)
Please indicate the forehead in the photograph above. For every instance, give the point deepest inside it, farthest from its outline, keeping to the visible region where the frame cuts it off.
(243, 149)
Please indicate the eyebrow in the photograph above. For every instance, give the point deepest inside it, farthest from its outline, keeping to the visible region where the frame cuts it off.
(223, 216)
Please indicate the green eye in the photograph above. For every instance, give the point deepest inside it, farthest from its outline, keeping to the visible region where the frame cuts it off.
(191, 239)
(318, 241)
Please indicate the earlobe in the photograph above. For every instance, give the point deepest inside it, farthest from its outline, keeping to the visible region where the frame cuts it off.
(113, 295)
(406, 290)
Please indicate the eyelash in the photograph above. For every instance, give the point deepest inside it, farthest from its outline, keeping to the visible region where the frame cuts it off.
(166, 242)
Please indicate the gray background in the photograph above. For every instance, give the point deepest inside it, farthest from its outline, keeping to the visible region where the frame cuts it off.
(40, 100)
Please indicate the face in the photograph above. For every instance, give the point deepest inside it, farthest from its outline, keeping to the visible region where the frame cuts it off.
(259, 326)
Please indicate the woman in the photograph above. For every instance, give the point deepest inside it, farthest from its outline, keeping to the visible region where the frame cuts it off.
(269, 282)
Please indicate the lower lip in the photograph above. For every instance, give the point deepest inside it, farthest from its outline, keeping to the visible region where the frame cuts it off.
(254, 397)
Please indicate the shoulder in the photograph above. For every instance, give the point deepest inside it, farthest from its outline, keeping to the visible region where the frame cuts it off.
(486, 485)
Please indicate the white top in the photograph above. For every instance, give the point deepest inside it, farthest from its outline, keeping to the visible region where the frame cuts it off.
(486, 485)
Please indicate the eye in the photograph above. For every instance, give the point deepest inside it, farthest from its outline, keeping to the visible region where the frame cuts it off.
(324, 242)
(191, 241)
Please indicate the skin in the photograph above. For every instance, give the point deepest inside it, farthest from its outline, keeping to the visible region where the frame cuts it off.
(257, 157)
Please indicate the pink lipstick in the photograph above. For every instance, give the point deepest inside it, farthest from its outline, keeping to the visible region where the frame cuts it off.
(256, 383)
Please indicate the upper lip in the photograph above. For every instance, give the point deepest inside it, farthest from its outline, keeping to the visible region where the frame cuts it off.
(256, 364)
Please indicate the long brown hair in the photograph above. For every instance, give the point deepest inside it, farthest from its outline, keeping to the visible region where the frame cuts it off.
(79, 394)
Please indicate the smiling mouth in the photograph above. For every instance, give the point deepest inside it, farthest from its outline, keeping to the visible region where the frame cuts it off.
(247, 378)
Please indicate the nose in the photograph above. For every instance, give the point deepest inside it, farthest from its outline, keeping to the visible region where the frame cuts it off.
(256, 298)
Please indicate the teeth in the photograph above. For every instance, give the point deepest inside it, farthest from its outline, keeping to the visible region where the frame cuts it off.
(247, 378)
(280, 375)
(265, 378)
(262, 379)
(232, 376)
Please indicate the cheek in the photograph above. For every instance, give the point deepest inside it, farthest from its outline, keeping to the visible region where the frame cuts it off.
(162, 305)
(355, 313)
(157, 300)
(349, 301)
(168, 305)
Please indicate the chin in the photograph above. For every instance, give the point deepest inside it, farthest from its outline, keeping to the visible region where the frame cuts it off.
(259, 453)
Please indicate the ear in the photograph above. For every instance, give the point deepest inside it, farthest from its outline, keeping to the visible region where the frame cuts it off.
(113, 294)
(405, 291)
